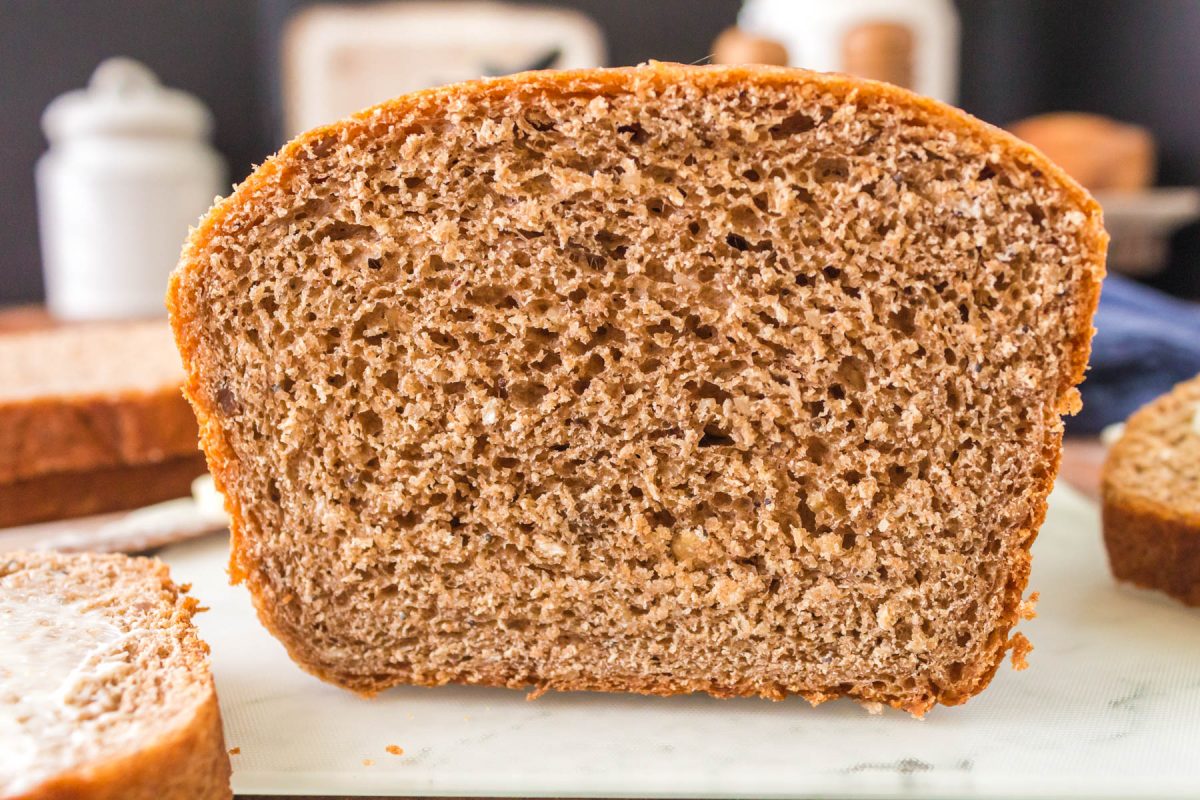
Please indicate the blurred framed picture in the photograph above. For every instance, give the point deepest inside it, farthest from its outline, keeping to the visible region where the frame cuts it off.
(337, 59)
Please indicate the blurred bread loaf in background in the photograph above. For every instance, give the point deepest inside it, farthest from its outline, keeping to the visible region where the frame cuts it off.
(92, 419)
(1099, 152)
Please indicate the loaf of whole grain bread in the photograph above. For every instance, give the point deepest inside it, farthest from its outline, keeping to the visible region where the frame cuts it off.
(105, 690)
(84, 397)
(1151, 496)
(66, 495)
(660, 379)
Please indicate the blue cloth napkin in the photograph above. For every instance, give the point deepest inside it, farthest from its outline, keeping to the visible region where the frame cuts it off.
(1146, 342)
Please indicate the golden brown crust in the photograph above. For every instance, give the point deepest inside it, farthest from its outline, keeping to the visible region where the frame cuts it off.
(64, 434)
(65, 495)
(239, 212)
(1151, 542)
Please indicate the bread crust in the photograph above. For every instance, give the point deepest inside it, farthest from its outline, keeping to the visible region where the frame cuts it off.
(240, 209)
(1150, 543)
(65, 495)
(1152, 546)
(65, 434)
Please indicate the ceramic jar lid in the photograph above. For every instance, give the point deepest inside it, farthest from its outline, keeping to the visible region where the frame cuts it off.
(125, 99)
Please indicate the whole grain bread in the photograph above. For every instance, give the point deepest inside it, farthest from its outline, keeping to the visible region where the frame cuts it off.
(83, 397)
(661, 379)
(105, 690)
(1151, 496)
(66, 495)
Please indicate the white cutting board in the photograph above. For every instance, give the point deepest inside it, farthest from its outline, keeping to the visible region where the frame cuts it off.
(1109, 707)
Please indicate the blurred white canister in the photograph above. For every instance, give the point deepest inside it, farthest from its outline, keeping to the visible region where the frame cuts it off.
(129, 169)
(912, 43)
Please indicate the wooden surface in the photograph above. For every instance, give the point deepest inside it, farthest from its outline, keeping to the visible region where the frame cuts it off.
(15, 319)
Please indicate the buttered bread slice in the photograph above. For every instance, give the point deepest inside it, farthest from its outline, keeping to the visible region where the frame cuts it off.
(105, 691)
(661, 379)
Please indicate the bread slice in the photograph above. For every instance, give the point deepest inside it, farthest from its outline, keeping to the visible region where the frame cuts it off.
(105, 690)
(1151, 496)
(82, 397)
(660, 379)
(65, 495)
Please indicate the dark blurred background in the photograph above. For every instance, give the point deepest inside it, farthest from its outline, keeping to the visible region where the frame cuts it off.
(1131, 59)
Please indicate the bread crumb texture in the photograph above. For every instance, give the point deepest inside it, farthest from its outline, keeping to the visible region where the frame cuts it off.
(661, 379)
(1021, 647)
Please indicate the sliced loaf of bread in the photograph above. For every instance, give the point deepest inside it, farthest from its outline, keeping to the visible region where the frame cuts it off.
(65, 495)
(660, 379)
(83, 397)
(105, 690)
(1151, 496)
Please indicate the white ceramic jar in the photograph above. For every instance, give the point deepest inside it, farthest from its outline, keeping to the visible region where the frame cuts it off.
(129, 169)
